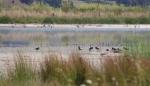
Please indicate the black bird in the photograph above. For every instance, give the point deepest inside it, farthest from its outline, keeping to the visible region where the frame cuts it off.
(97, 48)
(119, 50)
(79, 48)
(91, 48)
(116, 50)
(113, 48)
(107, 49)
(37, 48)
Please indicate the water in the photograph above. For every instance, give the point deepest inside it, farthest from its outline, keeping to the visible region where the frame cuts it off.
(67, 37)
(65, 40)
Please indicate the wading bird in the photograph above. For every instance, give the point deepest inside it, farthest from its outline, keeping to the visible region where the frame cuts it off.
(116, 50)
(79, 48)
(91, 48)
(37, 48)
(113, 48)
(107, 49)
(97, 48)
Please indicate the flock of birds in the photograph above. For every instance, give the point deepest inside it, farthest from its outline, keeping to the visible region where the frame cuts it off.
(113, 49)
(52, 25)
(43, 26)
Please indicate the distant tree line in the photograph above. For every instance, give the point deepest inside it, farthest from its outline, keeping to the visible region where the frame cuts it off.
(142, 3)
(58, 3)
(27, 1)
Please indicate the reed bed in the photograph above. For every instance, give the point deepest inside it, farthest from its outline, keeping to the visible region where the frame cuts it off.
(77, 71)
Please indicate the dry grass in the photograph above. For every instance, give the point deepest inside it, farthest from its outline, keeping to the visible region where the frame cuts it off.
(76, 71)
(21, 13)
(38, 13)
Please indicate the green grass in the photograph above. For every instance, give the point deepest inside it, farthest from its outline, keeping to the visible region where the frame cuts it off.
(5, 19)
(21, 74)
(138, 45)
(85, 20)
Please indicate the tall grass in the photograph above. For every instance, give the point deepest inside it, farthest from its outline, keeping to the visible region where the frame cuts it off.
(77, 71)
(121, 72)
(74, 71)
(19, 73)
(84, 13)
(138, 46)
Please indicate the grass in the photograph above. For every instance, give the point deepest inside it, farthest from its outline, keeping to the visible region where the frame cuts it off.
(131, 69)
(20, 74)
(5, 19)
(82, 14)
(138, 45)
(77, 71)
(74, 20)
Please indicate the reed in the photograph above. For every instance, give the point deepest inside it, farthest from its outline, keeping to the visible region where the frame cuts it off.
(77, 71)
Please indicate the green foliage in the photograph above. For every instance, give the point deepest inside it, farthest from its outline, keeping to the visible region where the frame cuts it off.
(138, 45)
(5, 19)
(27, 20)
(95, 20)
(22, 72)
(85, 20)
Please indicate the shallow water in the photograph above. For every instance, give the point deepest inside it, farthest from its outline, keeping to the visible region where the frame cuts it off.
(63, 41)
(72, 37)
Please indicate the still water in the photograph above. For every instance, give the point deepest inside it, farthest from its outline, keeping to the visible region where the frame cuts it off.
(36, 42)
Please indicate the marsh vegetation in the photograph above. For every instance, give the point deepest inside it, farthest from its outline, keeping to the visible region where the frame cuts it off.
(81, 14)
(78, 71)
(130, 68)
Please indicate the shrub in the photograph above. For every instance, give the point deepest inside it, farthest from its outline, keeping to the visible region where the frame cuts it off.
(5, 19)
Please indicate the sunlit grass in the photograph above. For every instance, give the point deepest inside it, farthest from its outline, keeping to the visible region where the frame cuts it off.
(77, 71)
